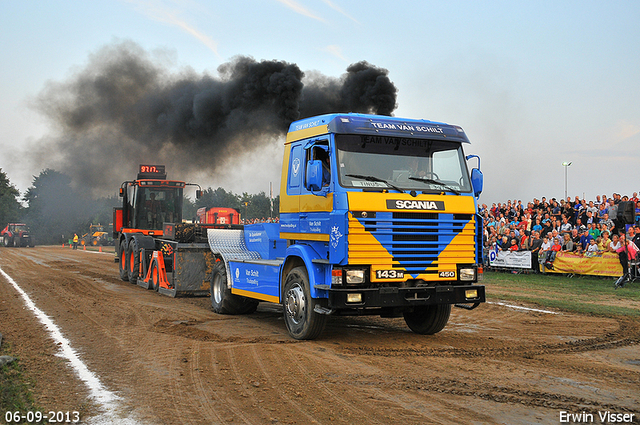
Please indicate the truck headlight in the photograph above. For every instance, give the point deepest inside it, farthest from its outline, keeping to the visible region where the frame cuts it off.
(468, 274)
(355, 276)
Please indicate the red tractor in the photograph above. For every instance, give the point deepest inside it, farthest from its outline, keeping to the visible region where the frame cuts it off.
(16, 234)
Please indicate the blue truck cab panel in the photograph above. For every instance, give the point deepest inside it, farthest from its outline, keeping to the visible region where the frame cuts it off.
(264, 238)
(257, 275)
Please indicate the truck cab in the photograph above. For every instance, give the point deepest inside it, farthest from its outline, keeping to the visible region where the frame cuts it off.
(377, 216)
(149, 201)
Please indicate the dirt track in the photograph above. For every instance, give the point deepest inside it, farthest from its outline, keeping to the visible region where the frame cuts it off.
(173, 361)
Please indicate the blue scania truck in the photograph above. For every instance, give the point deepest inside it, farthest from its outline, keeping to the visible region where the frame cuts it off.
(377, 217)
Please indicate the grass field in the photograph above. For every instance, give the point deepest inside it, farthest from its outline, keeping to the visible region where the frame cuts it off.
(15, 394)
(579, 294)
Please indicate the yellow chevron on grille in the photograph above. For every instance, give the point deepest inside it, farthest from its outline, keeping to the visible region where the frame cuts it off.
(425, 245)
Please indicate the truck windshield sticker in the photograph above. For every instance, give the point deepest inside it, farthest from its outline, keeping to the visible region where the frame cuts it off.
(364, 183)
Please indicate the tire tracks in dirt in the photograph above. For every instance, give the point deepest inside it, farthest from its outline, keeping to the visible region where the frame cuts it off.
(628, 333)
(494, 393)
(313, 365)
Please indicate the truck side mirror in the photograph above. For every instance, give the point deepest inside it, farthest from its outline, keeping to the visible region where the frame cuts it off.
(313, 181)
(477, 181)
(121, 192)
(198, 194)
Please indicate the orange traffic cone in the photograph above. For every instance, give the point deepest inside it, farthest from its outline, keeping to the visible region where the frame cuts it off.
(84, 247)
(100, 249)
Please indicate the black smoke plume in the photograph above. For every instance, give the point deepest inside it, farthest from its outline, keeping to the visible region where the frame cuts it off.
(124, 109)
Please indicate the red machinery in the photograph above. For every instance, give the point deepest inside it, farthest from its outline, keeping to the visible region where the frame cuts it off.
(216, 215)
(16, 234)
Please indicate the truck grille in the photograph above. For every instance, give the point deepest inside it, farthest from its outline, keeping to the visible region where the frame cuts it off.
(418, 242)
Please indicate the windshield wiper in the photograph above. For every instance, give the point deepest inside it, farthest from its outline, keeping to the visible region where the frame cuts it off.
(431, 181)
(375, 179)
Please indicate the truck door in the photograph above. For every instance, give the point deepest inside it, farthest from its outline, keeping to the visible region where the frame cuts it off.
(316, 205)
(290, 199)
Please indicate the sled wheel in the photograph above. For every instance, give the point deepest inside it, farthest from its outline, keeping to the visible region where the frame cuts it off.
(155, 275)
(122, 262)
(133, 262)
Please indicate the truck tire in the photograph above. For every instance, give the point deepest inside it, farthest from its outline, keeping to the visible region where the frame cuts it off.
(122, 261)
(428, 319)
(6, 241)
(133, 261)
(302, 321)
(222, 300)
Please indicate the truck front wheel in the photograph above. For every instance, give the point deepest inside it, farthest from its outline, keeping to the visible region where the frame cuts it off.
(299, 315)
(428, 319)
(222, 300)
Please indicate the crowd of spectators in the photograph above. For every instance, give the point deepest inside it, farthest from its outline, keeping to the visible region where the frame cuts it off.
(260, 220)
(546, 227)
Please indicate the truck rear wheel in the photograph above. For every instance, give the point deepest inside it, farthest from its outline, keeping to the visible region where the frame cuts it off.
(299, 315)
(222, 300)
(428, 319)
(6, 240)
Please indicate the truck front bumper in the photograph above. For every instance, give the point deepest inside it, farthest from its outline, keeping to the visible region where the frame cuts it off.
(392, 297)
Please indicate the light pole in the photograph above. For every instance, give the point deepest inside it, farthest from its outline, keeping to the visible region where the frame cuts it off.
(566, 167)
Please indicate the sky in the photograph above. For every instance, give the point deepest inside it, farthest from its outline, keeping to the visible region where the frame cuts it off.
(534, 84)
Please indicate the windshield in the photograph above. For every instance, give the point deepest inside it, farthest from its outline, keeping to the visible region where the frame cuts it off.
(155, 206)
(408, 164)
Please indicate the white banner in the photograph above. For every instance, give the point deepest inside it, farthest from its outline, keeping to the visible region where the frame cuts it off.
(510, 259)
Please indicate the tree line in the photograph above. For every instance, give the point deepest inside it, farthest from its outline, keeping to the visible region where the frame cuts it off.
(54, 209)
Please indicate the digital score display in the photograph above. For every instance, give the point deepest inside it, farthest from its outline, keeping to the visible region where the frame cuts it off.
(151, 172)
